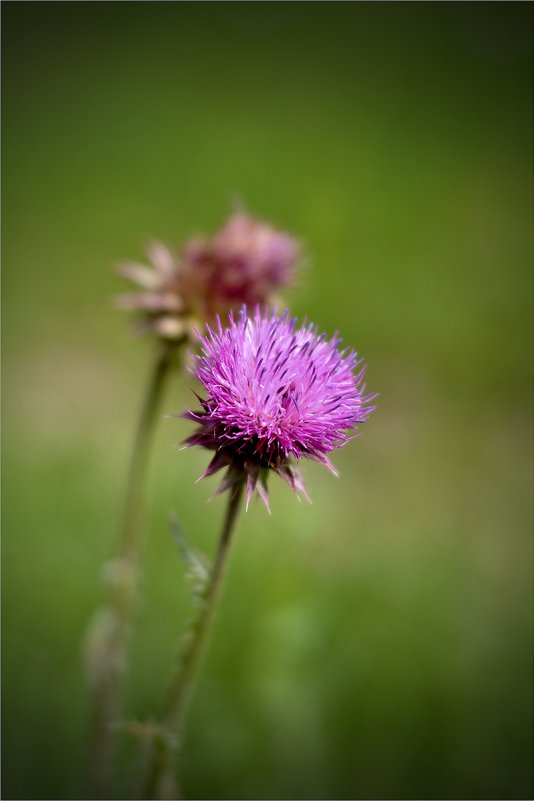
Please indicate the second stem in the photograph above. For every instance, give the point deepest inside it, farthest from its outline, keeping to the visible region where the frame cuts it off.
(124, 582)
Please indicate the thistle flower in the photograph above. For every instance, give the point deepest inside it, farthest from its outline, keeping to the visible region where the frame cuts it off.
(275, 393)
(244, 263)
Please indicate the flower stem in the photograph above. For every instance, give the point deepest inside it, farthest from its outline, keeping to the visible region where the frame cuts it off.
(122, 575)
(160, 783)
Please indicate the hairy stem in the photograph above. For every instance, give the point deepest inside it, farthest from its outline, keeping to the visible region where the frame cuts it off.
(160, 783)
(122, 576)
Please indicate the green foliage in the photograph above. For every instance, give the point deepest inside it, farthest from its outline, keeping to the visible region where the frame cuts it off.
(197, 566)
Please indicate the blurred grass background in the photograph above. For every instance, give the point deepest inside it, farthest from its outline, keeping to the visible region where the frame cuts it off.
(377, 644)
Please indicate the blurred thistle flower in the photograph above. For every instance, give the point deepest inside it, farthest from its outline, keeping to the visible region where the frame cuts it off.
(245, 262)
(275, 392)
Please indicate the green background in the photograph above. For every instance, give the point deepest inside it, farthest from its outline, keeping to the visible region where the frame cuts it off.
(377, 643)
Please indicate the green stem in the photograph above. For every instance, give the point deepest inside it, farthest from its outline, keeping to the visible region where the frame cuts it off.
(160, 780)
(123, 579)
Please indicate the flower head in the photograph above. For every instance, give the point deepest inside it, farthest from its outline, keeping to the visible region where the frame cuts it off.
(274, 393)
(245, 262)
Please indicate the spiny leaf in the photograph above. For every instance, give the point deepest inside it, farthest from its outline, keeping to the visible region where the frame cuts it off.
(197, 566)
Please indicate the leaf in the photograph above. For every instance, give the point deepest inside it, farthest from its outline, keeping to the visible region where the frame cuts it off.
(197, 565)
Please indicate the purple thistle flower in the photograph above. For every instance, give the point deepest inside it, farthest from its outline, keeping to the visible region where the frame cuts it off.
(275, 393)
(245, 262)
